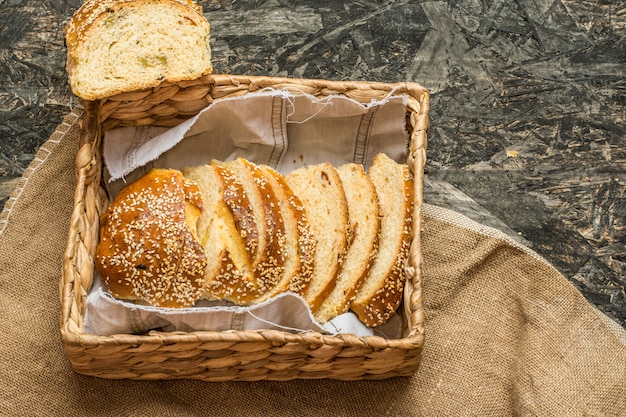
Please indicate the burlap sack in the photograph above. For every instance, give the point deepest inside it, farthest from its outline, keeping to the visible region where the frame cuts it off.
(506, 333)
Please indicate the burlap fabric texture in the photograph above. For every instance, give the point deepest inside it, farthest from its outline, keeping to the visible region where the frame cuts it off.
(506, 333)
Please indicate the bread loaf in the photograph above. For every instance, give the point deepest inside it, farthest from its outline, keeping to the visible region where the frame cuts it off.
(364, 222)
(320, 189)
(117, 46)
(244, 233)
(381, 293)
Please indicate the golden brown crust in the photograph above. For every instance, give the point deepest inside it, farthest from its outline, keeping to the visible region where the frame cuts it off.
(377, 308)
(235, 280)
(270, 269)
(232, 283)
(227, 257)
(93, 10)
(256, 213)
(148, 248)
(297, 245)
(238, 202)
(306, 242)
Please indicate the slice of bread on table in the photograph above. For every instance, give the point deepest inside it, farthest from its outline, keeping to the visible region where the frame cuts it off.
(117, 46)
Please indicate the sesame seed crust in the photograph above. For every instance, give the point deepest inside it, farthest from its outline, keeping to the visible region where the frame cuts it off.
(307, 243)
(253, 206)
(272, 265)
(382, 292)
(236, 198)
(170, 239)
(148, 249)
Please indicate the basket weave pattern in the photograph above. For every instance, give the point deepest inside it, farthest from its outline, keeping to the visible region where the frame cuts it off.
(238, 354)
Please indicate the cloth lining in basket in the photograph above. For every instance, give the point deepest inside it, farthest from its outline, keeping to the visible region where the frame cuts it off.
(246, 126)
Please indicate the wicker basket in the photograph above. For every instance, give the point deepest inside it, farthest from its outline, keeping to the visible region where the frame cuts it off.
(229, 355)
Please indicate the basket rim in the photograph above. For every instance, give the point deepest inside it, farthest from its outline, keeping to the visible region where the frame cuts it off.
(258, 82)
(239, 336)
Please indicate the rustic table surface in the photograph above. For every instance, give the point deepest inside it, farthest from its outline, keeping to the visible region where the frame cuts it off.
(527, 107)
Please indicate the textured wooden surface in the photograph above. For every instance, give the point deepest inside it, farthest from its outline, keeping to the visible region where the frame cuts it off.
(527, 108)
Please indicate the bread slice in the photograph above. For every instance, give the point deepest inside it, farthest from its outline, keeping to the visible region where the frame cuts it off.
(268, 261)
(229, 274)
(269, 264)
(117, 46)
(363, 215)
(320, 189)
(299, 245)
(381, 293)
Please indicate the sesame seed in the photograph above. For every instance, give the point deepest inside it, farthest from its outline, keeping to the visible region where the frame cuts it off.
(147, 228)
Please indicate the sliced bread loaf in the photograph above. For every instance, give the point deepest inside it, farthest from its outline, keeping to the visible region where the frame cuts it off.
(320, 189)
(381, 293)
(117, 46)
(363, 214)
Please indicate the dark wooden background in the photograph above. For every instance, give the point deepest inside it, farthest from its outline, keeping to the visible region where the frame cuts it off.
(527, 110)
